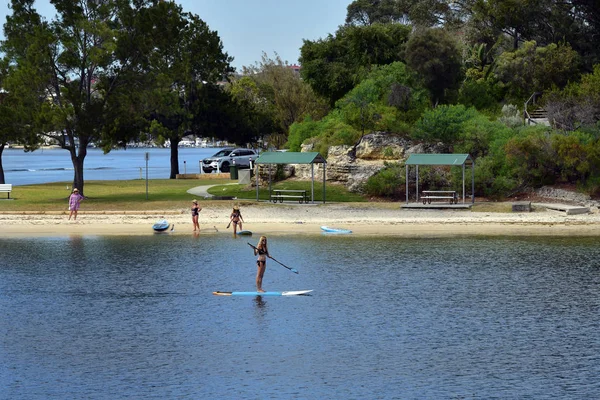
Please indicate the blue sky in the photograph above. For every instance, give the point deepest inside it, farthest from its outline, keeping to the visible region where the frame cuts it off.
(249, 27)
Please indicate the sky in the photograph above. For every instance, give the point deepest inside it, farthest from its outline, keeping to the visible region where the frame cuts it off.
(248, 28)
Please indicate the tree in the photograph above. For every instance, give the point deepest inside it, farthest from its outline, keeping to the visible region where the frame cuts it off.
(85, 60)
(255, 107)
(369, 12)
(534, 69)
(425, 13)
(333, 66)
(289, 98)
(186, 56)
(434, 54)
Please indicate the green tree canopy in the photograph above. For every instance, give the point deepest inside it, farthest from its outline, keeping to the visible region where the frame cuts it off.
(435, 55)
(281, 89)
(185, 55)
(333, 66)
(534, 69)
(76, 65)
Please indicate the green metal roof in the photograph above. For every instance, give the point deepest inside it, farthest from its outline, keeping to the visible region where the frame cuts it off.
(289, 157)
(439, 159)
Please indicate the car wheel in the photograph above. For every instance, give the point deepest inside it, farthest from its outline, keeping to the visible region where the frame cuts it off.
(225, 167)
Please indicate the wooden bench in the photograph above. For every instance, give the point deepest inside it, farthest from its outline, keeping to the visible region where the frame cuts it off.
(429, 195)
(280, 195)
(6, 188)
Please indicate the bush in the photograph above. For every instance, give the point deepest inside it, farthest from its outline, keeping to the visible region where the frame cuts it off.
(444, 123)
(389, 182)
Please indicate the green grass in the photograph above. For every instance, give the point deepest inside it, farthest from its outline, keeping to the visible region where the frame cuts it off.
(130, 195)
(163, 194)
(333, 192)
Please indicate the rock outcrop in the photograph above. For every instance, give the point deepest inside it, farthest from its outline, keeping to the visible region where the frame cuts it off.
(353, 166)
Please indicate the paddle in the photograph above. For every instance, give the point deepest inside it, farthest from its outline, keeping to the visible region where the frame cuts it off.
(228, 225)
(173, 227)
(280, 263)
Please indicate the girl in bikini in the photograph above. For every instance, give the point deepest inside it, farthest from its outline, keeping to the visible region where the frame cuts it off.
(195, 212)
(236, 219)
(262, 251)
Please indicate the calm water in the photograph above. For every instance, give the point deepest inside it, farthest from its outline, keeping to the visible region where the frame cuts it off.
(390, 318)
(54, 165)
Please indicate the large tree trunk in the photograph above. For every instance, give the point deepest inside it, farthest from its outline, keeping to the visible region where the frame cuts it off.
(1, 167)
(77, 160)
(174, 157)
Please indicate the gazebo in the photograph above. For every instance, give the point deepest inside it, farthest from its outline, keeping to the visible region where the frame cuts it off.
(292, 157)
(442, 159)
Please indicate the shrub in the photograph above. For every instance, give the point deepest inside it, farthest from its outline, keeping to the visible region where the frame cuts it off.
(389, 182)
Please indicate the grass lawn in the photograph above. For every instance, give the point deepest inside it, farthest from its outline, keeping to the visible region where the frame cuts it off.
(130, 195)
(163, 194)
(333, 192)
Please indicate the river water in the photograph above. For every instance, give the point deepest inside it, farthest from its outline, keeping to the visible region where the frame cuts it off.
(390, 318)
(54, 165)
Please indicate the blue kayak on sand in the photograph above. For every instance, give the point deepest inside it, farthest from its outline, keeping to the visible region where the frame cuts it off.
(287, 293)
(161, 226)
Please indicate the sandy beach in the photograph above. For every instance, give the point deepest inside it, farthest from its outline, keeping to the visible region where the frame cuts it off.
(371, 219)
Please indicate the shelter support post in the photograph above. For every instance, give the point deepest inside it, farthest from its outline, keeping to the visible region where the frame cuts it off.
(257, 180)
(463, 185)
(324, 177)
(312, 182)
(417, 180)
(473, 182)
(406, 180)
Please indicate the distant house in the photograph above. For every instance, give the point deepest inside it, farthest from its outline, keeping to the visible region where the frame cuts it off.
(295, 68)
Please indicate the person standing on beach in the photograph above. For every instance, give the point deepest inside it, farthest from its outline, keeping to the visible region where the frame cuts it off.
(195, 213)
(74, 201)
(236, 219)
(262, 251)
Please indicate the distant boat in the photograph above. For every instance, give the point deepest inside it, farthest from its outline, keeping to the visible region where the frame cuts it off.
(161, 225)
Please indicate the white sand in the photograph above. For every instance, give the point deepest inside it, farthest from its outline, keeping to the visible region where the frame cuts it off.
(265, 218)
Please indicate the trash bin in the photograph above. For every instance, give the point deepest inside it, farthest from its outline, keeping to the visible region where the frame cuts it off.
(233, 172)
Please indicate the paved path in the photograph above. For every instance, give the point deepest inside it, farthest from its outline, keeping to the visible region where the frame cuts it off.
(202, 191)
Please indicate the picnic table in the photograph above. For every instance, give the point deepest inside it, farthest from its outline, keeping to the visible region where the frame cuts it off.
(428, 195)
(289, 194)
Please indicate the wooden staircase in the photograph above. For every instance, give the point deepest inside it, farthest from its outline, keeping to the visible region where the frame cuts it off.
(538, 116)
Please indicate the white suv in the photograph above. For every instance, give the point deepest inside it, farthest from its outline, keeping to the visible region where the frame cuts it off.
(225, 158)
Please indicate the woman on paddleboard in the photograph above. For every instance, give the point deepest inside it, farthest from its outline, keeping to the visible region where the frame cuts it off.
(262, 251)
(195, 212)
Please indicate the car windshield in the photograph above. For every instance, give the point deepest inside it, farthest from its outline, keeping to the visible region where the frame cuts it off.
(223, 153)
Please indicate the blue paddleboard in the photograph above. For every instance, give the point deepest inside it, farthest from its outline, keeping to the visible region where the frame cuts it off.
(245, 233)
(288, 293)
(327, 229)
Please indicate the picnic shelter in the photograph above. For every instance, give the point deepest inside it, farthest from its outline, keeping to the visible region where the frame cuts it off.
(291, 157)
